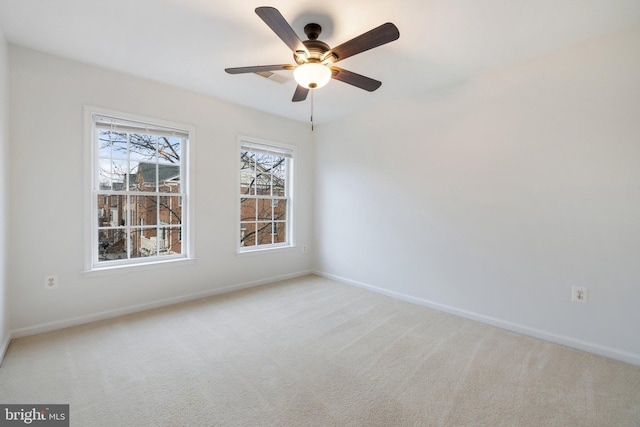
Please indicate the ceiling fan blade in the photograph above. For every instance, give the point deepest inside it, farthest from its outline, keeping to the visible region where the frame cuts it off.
(300, 94)
(383, 34)
(274, 19)
(355, 79)
(258, 68)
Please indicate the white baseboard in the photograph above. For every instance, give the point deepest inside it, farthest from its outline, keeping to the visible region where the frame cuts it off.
(612, 353)
(4, 346)
(109, 314)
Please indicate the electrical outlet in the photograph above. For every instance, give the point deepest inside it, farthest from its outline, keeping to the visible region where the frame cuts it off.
(51, 282)
(304, 249)
(579, 294)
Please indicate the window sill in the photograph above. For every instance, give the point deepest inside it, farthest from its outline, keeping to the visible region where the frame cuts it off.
(130, 268)
(262, 251)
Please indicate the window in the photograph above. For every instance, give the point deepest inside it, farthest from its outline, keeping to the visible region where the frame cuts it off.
(138, 184)
(265, 196)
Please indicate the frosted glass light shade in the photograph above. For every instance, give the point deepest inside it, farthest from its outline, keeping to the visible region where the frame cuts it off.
(312, 75)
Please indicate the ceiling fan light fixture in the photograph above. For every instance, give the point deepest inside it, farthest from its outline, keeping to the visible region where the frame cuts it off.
(312, 75)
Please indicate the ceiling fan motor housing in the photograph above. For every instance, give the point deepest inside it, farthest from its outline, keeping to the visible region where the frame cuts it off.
(316, 48)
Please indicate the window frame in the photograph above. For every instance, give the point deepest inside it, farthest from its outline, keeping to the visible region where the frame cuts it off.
(243, 143)
(92, 191)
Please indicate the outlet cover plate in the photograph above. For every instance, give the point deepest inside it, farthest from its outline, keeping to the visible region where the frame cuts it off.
(51, 282)
(579, 294)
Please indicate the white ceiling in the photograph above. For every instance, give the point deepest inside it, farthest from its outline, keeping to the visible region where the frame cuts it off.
(189, 43)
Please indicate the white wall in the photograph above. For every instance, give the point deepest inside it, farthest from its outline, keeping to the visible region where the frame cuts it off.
(46, 233)
(493, 197)
(4, 194)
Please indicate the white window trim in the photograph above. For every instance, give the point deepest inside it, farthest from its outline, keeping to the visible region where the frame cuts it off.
(90, 208)
(291, 222)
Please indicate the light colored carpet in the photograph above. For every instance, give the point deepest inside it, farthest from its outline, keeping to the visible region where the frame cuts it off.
(314, 352)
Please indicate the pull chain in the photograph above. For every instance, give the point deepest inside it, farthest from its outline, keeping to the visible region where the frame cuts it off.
(312, 109)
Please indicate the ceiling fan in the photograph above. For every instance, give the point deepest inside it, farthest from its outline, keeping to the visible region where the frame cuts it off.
(314, 59)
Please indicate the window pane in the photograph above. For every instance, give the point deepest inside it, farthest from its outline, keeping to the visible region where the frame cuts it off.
(104, 144)
(119, 172)
(280, 209)
(247, 160)
(143, 148)
(104, 175)
(169, 240)
(112, 144)
(144, 210)
(119, 145)
(112, 244)
(247, 182)
(263, 184)
(264, 233)
(277, 161)
(263, 162)
(170, 210)
(169, 178)
(112, 210)
(143, 176)
(267, 161)
(247, 234)
(143, 243)
(279, 178)
(279, 232)
(264, 209)
(112, 174)
(169, 150)
(247, 209)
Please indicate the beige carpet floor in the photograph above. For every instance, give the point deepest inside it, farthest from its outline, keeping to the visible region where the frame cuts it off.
(313, 352)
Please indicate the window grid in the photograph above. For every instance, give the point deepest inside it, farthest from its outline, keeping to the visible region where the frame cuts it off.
(265, 197)
(129, 191)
